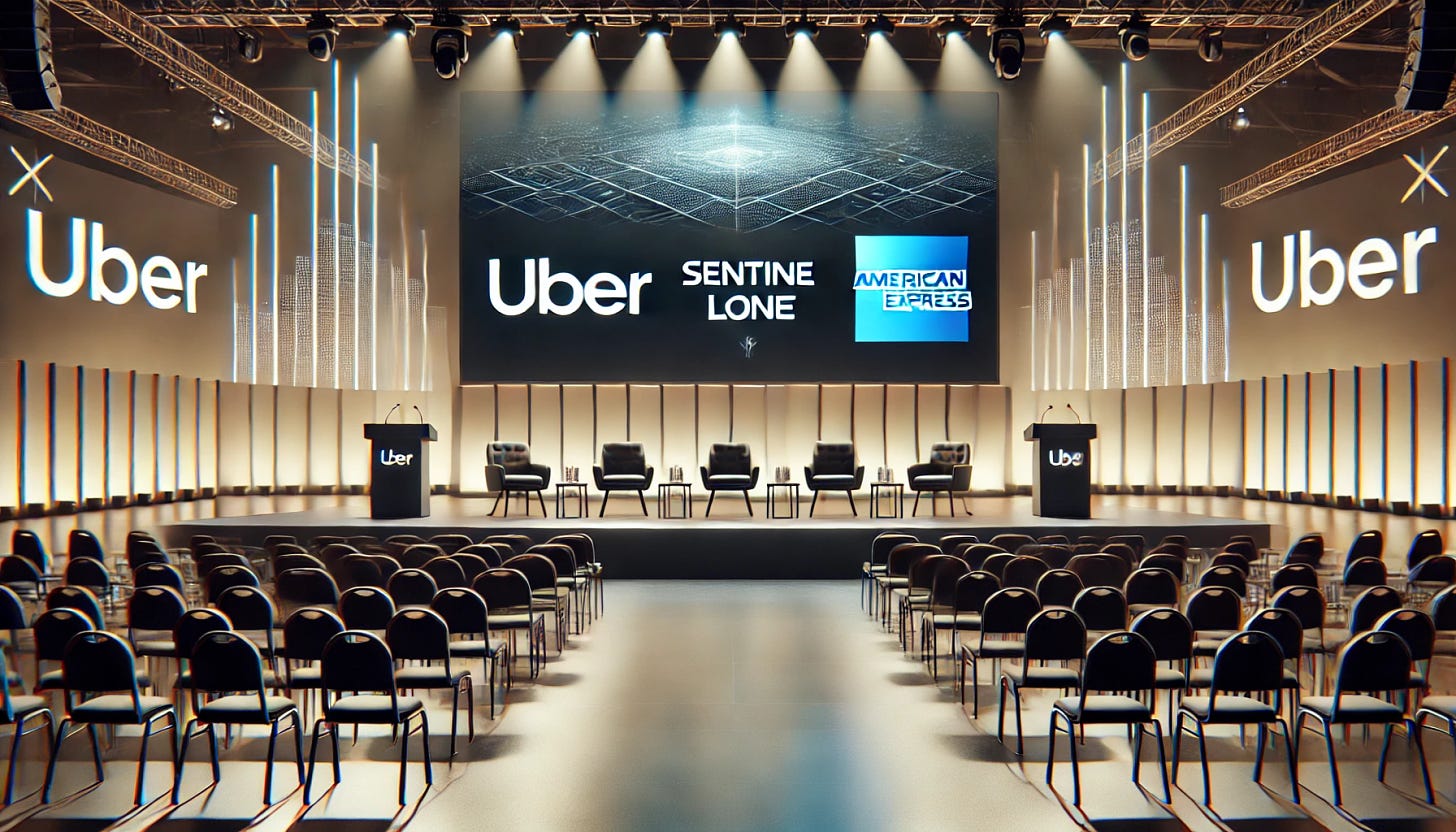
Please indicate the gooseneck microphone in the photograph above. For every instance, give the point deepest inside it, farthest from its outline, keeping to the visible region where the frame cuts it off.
(391, 412)
(1074, 412)
(1042, 417)
(419, 413)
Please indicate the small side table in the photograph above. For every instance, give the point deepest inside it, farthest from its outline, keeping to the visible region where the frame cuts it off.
(895, 491)
(790, 493)
(667, 492)
(573, 493)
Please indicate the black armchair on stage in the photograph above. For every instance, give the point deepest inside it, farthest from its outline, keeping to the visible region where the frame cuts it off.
(510, 471)
(948, 472)
(624, 468)
(834, 468)
(730, 468)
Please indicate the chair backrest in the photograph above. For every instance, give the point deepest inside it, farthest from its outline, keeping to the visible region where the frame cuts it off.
(1308, 549)
(451, 542)
(975, 554)
(90, 573)
(944, 579)
(446, 571)
(491, 553)
(1425, 545)
(323, 541)
(306, 588)
(512, 456)
(356, 661)
(1415, 627)
(419, 634)
(1372, 662)
(1023, 571)
(561, 556)
(1369, 605)
(366, 608)
(249, 608)
(357, 570)
(141, 551)
(1008, 611)
(1306, 602)
(419, 554)
(1440, 569)
(27, 544)
(307, 631)
(463, 609)
(996, 563)
(224, 662)
(834, 458)
(1366, 572)
(973, 589)
(12, 611)
(1164, 560)
(1230, 577)
(1136, 541)
(623, 458)
(207, 547)
(1101, 608)
(1100, 569)
(1281, 625)
(1214, 608)
(1055, 635)
(516, 542)
(1055, 555)
(1367, 544)
(1249, 661)
(1011, 541)
(922, 573)
(1168, 632)
(949, 542)
(285, 561)
(153, 608)
(1442, 608)
(1246, 548)
(97, 661)
(53, 629)
(272, 542)
(157, 574)
(1293, 574)
(332, 553)
(77, 598)
(1152, 586)
(1170, 547)
(83, 543)
(503, 588)
(193, 624)
(1125, 551)
(730, 458)
(15, 569)
(581, 545)
(1235, 560)
(904, 556)
(412, 588)
(1120, 661)
(1058, 588)
(950, 453)
(224, 578)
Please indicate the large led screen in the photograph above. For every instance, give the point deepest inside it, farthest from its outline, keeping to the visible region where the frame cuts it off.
(606, 240)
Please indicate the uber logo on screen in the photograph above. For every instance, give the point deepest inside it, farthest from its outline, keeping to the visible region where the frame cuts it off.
(911, 289)
(1369, 269)
(562, 293)
(390, 456)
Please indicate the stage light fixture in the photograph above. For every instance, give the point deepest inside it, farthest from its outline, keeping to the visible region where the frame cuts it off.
(803, 26)
(222, 120)
(399, 24)
(1054, 26)
(450, 46)
(581, 25)
(956, 27)
(1008, 45)
(1210, 44)
(880, 25)
(250, 45)
(323, 36)
(506, 26)
(730, 26)
(1240, 120)
(655, 25)
(1133, 35)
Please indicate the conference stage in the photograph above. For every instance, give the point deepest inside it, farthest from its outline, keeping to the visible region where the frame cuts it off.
(830, 545)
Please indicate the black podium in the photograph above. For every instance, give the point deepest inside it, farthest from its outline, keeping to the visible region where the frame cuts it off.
(399, 470)
(1061, 479)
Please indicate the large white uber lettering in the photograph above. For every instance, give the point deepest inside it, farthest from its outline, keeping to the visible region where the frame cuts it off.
(603, 293)
(159, 278)
(1369, 270)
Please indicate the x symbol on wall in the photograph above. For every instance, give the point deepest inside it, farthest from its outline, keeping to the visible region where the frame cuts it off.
(32, 174)
(1425, 175)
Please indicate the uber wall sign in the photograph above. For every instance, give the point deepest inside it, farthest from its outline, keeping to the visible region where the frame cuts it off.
(162, 282)
(1370, 269)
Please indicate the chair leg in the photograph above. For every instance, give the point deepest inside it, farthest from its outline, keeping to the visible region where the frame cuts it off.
(45, 792)
(1163, 762)
(1293, 760)
(813, 502)
(643, 500)
(496, 504)
(606, 495)
(709, 511)
(1334, 765)
(1203, 762)
(403, 761)
(312, 759)
(542, 500)
(454, 717)
(850, 495)
(508, 504)
(915, 509)
(748, 503)
(298, 744)
(470, 705)
(950, 501)
(1411, 731)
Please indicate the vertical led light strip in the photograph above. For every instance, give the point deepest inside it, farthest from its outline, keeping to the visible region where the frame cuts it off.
(402, 365)
(1183, 267)
(1203, 287)
(1126, 271)
(374, 266)
(273, 294)
(424, 311)
(1106, 356)
(1086, 266)
(313, 226)
(236, 335)
(338, 278)
(253, 298)
(358, 232)
(1034, 311)
(1227, 341)
(1147, 241)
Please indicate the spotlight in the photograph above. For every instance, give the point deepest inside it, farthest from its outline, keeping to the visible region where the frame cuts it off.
(398, 24)
(323, 35)
(1132, 36)
(1240, 120)
(507, 26)
(881, 25)
(1210, 44)
(730, 26)
(1054, 26)
(173, 84)
(655, 25)
(250, 45)
(581, 25)
(803, 26)
(222, 120)
(1008, 45)
(450, 47)
(955, 27)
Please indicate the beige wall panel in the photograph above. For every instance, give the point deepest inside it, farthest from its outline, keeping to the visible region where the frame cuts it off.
(1372, 479)
(293, 445)
(207, 427)
(1107, 414)
(1294, 432)
(356, 408)
(65, 483)
(165, 441)
(322, 436)
(477, 430)
(144, 435)
(1346, 442)
(869, 428)
(515, 418)
(991, 447)
(1319, 433)
(677, 417)
(714, 417)
(1197, 441)
(1226, 449)
(901, 420)
(93, 429)
(1398, 486)
(581, 450)
(187, 434)
(611, 415)
(646, 427)
(264, 431)
(1428, 433)
(801, 428)
(545, 432)
(1169, 455)
(835, 413)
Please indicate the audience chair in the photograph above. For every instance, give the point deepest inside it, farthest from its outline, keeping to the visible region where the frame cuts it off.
(1003, 626)
(465, 615)
(1051, 636)
(18, 712)
(421, 635)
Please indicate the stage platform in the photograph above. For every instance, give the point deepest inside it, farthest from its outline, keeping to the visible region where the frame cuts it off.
(728, 545)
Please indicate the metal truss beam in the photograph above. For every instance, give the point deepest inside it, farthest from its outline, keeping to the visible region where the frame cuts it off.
(1295, 49)
(1225, 13)
(116, 21)
(103, 142)
(1361, 140)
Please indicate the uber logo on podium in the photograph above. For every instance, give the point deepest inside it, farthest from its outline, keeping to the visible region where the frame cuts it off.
(1061, 459)
(391, 457)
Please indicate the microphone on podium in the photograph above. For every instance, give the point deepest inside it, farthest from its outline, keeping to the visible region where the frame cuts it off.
(1042, 417)
(1074, 412)
(419, 413)
(391, 412)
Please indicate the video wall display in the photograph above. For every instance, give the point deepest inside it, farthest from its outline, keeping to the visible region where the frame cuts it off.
(743, 241)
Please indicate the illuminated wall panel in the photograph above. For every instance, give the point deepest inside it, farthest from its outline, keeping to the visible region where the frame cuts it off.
(1319, 434)
(234, 436)
(900, 424)
(836, 422)
(581, 449)
(34, 412)
(750, 424)
(358, 407)
(65, 484)
(1429, 472)
(1372, 477)
(294, 439)
(611, 418)
(515, 419)
(1197, 442)
(1346, 407)
(992, 405)
(1274, 438)
(207, 433)
(1226, 450)
(1254, 469)
(93, 443)
(965, 428)
(1295, 437)
(931, 420)
(677, 414)
(477, 429)
(1399, 436)
(1107, 414)
(264, 430)
(715, 419)
(646, 427)
(187, 434)
(165, 434)
(801, 402)
(545, 433)
(144, 433)
(9, 432)
(323, 437)
(869, 426)
(1170, 420)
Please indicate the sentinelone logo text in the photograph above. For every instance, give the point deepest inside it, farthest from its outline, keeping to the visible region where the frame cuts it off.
(911, 289)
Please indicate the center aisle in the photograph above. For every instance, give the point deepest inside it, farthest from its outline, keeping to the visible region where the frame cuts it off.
(735, 706)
